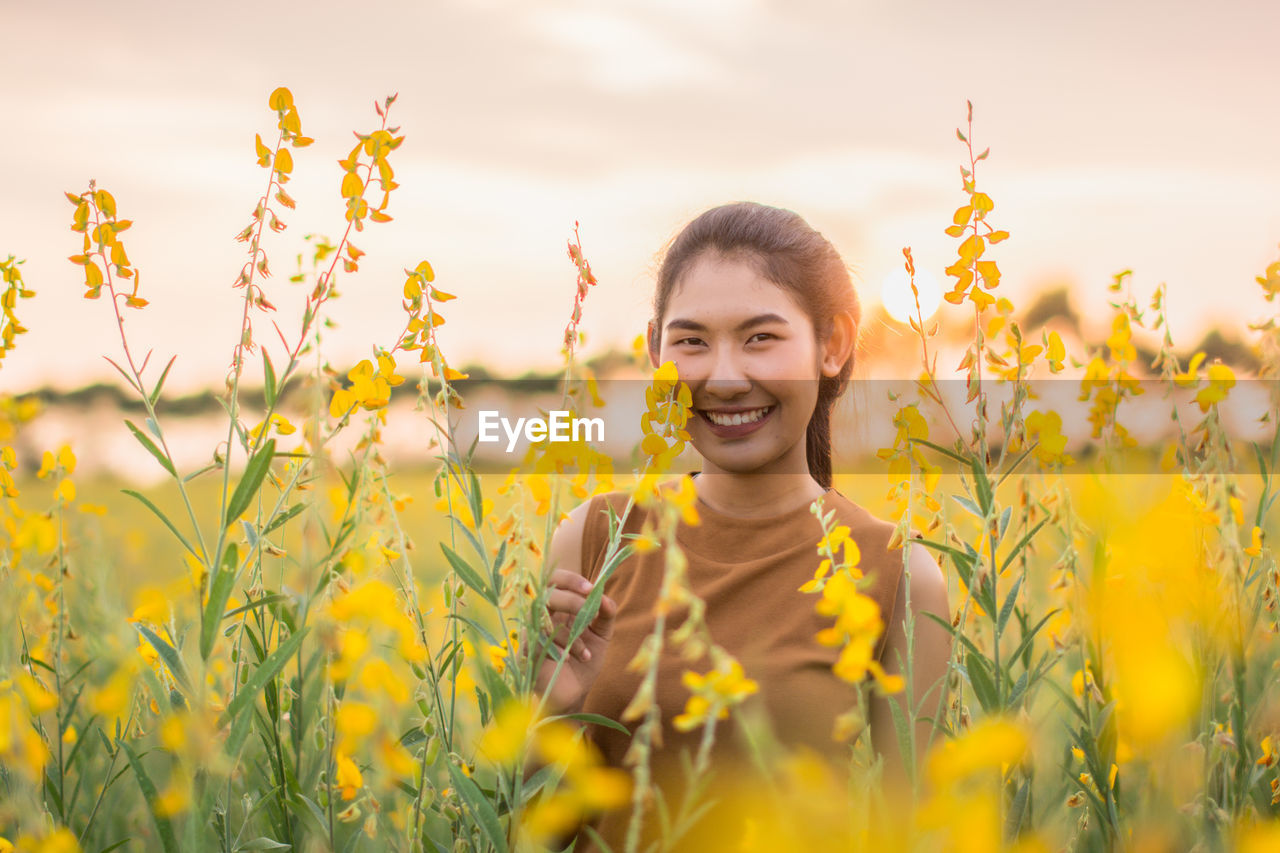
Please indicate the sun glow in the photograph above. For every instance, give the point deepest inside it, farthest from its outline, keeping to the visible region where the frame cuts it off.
(898, 300)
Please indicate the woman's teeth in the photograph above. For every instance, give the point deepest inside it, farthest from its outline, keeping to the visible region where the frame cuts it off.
(737, 418)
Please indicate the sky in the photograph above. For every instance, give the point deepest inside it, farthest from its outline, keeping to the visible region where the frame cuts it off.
(1123, 136)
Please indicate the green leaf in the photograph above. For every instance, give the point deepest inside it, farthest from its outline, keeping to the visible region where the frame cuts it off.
(1022, 543)
(594, 718)
(902, 729)
(155, 395)
(254, 473)
(284, 517)
(962, 560)
(985, 497)
(305, 807)
(239, 733)
(1004, 523)
(255, 604)
(149, 793)
(269, 379)
(172, 659)
(1006, 609)
(475, 497)
(265, 672)
(980, 678)
(167, 523)
(1018, 809)
(495, 575)
(1030, 636)
(263, 843)
(151, 448)
(972, 508)
(480, 807)
(224, 579)
(480, 629)
(469, 576)
(940, 449)
(1019, 687)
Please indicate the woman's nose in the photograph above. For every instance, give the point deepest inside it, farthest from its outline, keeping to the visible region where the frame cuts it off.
(727, 378)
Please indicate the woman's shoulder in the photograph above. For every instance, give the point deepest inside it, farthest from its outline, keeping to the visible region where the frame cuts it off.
(866, 528)
(589, 524)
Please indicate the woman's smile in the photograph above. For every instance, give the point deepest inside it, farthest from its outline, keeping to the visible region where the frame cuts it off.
(735, 422)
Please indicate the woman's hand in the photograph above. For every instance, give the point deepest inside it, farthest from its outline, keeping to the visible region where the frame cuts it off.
(567, 595)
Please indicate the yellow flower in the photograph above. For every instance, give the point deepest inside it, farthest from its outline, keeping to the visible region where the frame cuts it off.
(377, 675)
(1255, 543)
(667, 401)
(150, 605)
(504, 739)
(713, 693)
(1047, 427)
(993, 744)
(347, 776)
(1055, 352)
(685, 498)
(1221, 380)
(354, 721)
(368, 389)
(1268, 756)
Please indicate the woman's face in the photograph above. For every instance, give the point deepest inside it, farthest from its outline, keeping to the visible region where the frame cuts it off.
(749, 354)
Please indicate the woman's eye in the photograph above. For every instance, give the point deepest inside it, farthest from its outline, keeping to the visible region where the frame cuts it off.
(760, 336)
(689, 342)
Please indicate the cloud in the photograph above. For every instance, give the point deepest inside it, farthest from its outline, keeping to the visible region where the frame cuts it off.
(623, 55)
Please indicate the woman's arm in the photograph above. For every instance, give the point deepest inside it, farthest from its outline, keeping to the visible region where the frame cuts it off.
(929, 667)
(568, 591)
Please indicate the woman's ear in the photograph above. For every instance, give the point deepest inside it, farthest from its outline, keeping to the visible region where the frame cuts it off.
(651, 337)
(838, 346)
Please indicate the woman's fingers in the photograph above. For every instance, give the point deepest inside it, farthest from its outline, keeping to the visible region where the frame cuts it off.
(567, 596)
(565, 579)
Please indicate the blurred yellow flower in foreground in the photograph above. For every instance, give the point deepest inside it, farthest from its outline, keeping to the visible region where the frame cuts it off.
(713, 694)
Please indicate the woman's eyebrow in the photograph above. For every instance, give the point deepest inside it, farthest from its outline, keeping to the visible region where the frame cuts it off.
(695, 326)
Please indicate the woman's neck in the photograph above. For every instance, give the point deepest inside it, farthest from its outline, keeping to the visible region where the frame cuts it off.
(756, 495)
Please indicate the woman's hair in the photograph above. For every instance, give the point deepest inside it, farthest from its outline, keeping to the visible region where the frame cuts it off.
(792, 255)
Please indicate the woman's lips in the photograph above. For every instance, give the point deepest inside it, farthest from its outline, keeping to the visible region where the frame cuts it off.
(735, 423)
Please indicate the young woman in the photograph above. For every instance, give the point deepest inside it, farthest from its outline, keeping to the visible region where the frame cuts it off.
(759, 314)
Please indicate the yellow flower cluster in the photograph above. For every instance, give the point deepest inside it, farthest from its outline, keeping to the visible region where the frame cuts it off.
(713, 693)
(420, 293)
(969, 264)
(1046, 429)
(906, 452)
(95, 218)
(1107, 381)
(587, 788)
(1221, 380)
(858, 624)
(22, 701)
(376, 146)
(667, 402)
(372, 603)
(369, 388)
(8, 464)
(1018, 355)
(59, 841)
(857, 629)
(60, 467)
(14, 288)
(281, 161)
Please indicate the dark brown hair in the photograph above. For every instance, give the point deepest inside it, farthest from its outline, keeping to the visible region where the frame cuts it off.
(792, 255)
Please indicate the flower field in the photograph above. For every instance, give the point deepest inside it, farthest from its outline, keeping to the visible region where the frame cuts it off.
(292, 647)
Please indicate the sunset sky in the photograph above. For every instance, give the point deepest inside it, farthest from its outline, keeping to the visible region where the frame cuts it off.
(1123, 135)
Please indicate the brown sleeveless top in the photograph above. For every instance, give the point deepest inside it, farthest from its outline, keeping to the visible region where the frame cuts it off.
(748, 571)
